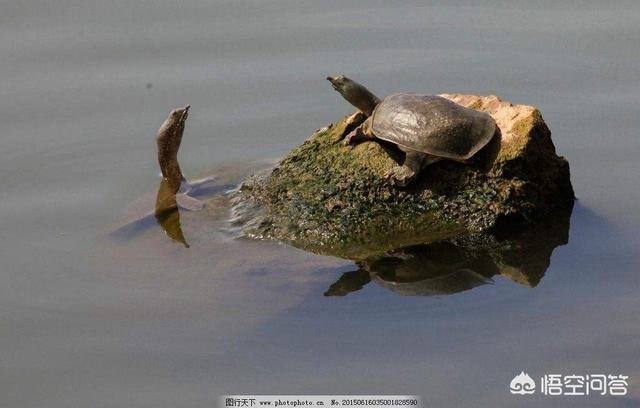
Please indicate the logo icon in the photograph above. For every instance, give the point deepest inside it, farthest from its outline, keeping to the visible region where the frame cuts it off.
(522, 384)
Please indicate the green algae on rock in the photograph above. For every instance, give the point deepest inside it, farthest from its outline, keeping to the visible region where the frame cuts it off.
(333, 199)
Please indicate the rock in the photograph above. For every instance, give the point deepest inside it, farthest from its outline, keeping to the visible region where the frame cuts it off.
(333, 199)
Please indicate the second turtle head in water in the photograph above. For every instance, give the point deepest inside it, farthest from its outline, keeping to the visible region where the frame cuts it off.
(426, 128)
(168, 140)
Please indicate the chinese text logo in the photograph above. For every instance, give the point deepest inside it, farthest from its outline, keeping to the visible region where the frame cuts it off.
(558, 384)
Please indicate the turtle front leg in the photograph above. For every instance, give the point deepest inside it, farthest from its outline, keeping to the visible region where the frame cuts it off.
(352, 122)
(360, 134)
(414, 162)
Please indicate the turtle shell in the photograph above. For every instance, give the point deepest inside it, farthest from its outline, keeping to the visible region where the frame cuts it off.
(438, 268)
(432, 124)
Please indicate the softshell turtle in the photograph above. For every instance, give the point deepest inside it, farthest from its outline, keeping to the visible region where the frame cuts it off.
(174, 191)
(426, 128)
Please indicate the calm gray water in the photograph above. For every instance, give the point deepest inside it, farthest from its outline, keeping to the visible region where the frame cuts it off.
(89, 322)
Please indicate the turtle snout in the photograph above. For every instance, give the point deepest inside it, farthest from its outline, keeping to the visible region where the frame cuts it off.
(334, 82)
(184, 112)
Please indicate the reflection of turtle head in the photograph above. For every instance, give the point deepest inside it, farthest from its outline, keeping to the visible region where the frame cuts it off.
(349, 282)
(166, 211)
(169, 138)
(355, 94)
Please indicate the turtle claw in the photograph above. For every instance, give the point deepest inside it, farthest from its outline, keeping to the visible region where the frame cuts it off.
(400, 176)
(352, 123)
(350, 139)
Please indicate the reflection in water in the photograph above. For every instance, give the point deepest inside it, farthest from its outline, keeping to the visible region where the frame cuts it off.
(169, 202)
(144, 213)
(166, 211)
(462, 263)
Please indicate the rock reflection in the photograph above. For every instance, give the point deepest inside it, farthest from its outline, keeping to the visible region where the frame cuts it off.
(463, 263)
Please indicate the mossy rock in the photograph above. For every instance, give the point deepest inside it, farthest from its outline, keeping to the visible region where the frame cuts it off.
(333, 199)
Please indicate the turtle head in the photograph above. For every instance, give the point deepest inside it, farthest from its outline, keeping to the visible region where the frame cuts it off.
(340, 82)
(179, 115)
(168, 142)
(354, 93)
